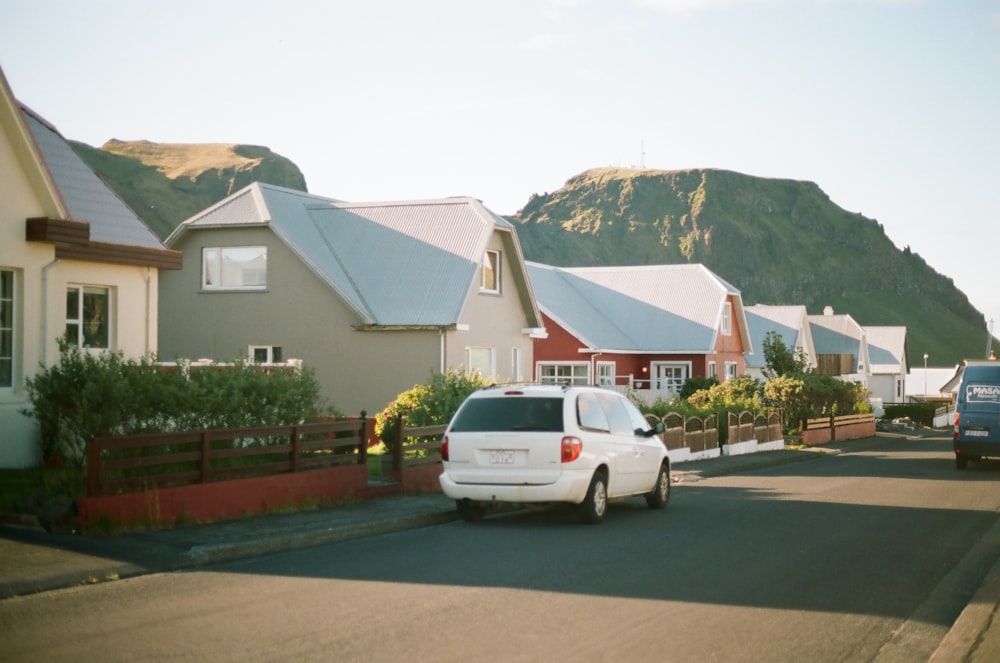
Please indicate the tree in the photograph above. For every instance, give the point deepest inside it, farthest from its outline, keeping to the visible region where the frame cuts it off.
(781, 359)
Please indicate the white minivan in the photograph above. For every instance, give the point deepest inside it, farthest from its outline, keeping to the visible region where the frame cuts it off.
(551, 443)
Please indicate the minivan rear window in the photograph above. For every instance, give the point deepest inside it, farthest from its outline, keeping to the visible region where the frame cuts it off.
(513, 413)
(980, 385)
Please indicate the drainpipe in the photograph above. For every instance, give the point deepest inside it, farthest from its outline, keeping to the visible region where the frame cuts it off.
(45, 311)
(148, 310)
(444, 349)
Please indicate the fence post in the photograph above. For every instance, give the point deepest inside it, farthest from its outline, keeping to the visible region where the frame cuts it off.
(397, 449)
(203, 465)
(93, 468)
(363, 444)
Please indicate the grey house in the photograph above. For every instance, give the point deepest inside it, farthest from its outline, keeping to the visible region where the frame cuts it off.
(372, 296)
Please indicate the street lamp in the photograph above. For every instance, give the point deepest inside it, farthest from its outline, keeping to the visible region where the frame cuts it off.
(925, 377)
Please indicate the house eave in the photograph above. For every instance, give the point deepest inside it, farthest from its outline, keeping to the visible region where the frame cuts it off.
(72, 242)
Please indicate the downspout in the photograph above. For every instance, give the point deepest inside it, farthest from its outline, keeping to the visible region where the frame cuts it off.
(444, 349)
(146, 353)
(45, 311)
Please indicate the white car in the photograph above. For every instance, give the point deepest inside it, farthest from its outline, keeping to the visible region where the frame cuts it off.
(552, 443)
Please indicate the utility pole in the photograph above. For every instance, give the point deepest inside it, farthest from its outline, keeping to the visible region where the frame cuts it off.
(989, 338)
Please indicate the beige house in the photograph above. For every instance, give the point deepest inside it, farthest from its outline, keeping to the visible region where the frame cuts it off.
(74, 260)
(373, 297)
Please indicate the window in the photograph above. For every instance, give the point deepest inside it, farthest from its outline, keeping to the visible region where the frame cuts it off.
(712, 372)
(6, 328)
(265, 354)
(727, 320)
(515, 364)
(590, 414)
(606, 373)
(730, 370)
(88, 311)
(234, 268)
(564, 373)
(480, 360)
(490, 280)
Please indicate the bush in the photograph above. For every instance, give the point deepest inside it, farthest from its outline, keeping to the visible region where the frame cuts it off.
(97, 395)
(808, 395)
(428, 404)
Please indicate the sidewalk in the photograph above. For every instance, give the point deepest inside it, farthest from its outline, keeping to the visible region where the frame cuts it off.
(35, 561)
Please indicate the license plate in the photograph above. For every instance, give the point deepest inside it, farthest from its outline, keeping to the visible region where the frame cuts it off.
(502, 457)
(976, 433)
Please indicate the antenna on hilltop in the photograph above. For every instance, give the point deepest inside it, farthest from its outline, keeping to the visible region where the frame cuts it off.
(642, 155)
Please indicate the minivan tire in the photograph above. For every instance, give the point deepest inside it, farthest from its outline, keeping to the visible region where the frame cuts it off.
(470, 511)
(658, 497)
(595, 504)
(961, 461)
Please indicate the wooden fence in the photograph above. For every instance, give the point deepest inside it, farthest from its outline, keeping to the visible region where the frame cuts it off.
(845, 427)
(415, 446)
(141, 462)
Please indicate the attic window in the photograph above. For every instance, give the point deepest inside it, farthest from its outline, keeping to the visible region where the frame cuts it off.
(490, 280)
(234, 268)
(727, 320)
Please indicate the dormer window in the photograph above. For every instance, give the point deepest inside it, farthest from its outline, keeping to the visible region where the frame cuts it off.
(490, 279)
(727, 320)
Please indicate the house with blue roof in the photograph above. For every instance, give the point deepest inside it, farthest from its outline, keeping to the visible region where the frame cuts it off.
(645, 328)
(374, 297)
(887, 356)
(790, 323)
(75, 263)
(841, 347)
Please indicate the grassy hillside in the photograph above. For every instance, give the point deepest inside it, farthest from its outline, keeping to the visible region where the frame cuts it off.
(167, 183)
(778, 241)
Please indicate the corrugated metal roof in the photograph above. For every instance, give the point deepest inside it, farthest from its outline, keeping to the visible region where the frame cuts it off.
(886, 348)
(408, 263)
(87, 197)
(786, 321)
(649, 308)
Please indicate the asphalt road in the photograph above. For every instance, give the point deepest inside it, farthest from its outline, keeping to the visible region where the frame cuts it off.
(862, 556)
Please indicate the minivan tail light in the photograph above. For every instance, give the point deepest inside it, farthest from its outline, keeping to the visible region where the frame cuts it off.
(571, 448)
(444, 448)
(957, 429)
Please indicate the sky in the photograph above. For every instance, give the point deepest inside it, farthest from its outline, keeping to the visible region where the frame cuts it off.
(892, 107)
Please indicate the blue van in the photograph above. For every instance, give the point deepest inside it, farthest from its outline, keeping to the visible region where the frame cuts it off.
(977, 413)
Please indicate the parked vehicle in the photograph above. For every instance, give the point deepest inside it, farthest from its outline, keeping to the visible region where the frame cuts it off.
(977, 413)
(551, 443)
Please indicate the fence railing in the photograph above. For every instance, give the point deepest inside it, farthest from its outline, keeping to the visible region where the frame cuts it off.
(415, 445)
(140, 462)
(834, 422)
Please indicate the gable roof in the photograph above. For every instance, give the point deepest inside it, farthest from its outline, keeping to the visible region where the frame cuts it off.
(839, 334)
(396, 264)
(667, 309)
(86, 219)
(886, 349)
(791, 323)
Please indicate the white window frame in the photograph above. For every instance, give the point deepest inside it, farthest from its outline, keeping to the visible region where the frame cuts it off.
(218, 275)
(478, 358)
(491, 272)
(731, 368)
(274, 354)
(515, 364)
(8, 326)
(672, 385)
(727, 319)
(79, 338)
(563, 372)
(712, 370)
(605, 371)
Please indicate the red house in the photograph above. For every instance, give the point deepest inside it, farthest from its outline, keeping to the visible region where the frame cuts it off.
(648, 328)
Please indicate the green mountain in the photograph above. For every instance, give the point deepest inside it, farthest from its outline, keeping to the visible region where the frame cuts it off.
(167, 183)
(778, 241)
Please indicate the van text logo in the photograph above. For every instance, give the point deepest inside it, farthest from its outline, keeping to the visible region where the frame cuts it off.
(982, 393)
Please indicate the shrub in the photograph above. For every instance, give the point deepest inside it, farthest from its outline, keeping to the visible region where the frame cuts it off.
(809, 395)
(90, 395)
(428, 404)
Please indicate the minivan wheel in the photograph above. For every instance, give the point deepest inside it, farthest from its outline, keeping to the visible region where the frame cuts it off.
(470, 511)
(595, 504)
(658, 497)
(961, 461)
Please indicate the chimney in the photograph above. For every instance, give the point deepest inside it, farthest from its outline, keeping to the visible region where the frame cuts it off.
(827, 310)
